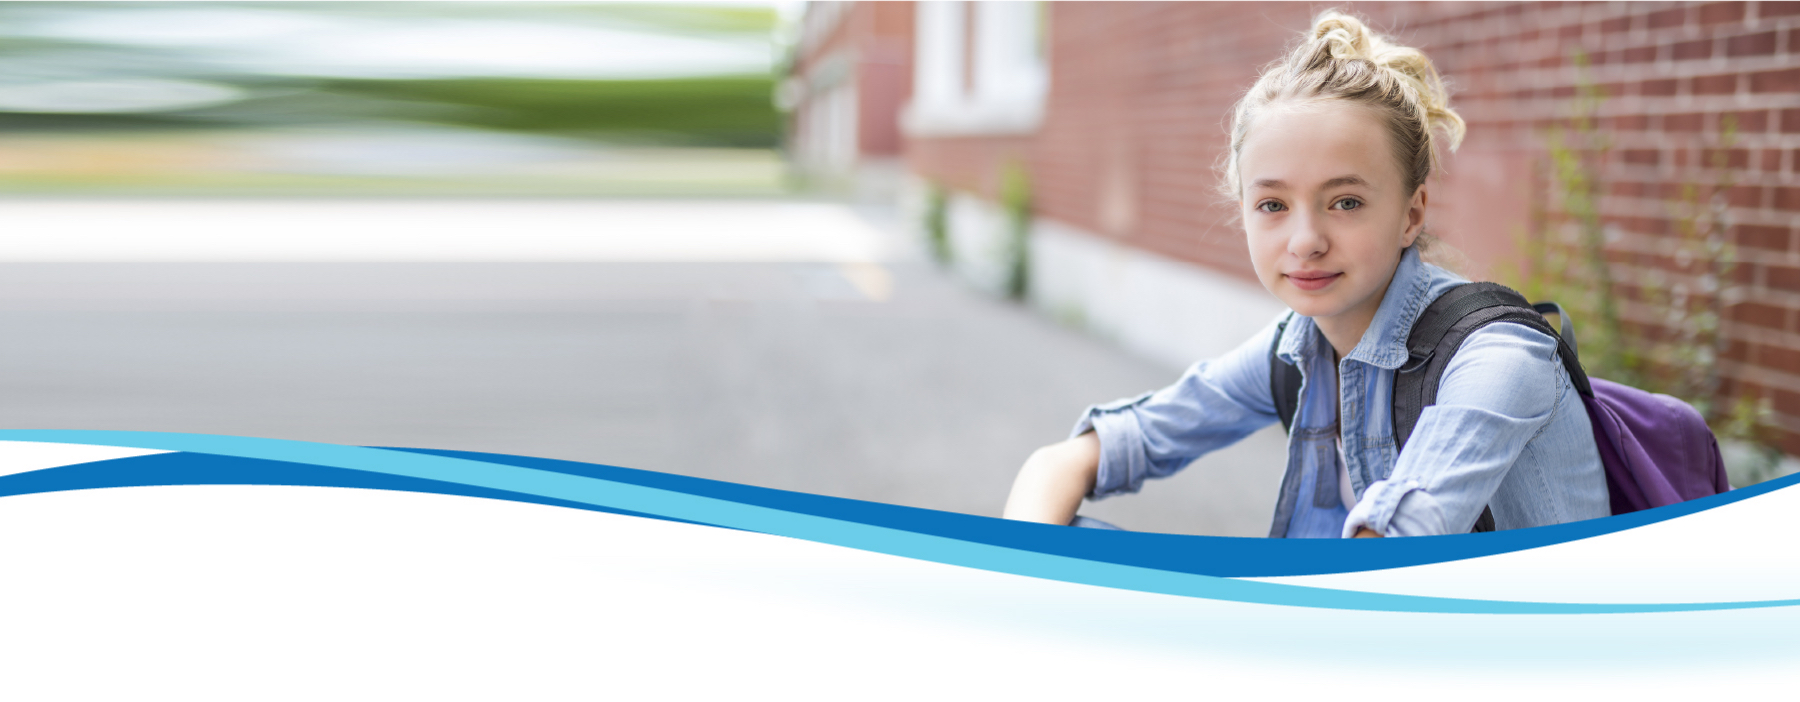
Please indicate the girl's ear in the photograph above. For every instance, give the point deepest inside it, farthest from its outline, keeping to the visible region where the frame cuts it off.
(1415, 218)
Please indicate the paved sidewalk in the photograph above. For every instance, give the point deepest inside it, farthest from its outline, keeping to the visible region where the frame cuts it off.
(830, 360)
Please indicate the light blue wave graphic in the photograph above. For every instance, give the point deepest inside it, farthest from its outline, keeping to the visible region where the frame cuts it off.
(613, 495)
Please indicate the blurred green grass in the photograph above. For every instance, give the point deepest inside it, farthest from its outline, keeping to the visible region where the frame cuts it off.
(730, 111)
(702, 135)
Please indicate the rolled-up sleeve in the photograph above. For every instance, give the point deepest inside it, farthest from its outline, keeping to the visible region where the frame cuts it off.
(1499, 392)
(1214, 404)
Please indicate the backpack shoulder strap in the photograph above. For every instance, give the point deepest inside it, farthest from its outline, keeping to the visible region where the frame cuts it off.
(1284, 380)
(1440, 331)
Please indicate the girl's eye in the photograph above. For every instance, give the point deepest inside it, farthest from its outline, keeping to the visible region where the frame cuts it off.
(1348, 203)
(1270, 206)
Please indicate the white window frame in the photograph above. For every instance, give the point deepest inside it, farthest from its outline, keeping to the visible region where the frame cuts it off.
(1009, 75)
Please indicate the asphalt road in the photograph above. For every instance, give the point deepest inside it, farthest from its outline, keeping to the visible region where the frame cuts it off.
(879, 378)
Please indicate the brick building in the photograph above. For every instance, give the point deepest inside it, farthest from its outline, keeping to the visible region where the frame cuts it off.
(850, 73)
(1117, 112)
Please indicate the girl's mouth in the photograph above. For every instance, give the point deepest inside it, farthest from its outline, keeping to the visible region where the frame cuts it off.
(1312, 281)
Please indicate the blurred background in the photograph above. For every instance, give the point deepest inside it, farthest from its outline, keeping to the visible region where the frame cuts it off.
(873, 250)
(389, 98)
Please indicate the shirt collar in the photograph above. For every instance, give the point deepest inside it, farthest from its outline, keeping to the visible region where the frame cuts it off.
(1384, 344)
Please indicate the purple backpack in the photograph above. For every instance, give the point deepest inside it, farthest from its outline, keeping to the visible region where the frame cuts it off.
(1656, 449)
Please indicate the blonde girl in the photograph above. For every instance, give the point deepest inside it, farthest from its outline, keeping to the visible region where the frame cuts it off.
(1329, 158)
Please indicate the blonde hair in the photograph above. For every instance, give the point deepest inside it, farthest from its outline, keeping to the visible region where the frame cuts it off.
(1342, 60)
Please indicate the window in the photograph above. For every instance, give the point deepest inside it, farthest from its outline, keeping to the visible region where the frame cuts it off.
(979, 68)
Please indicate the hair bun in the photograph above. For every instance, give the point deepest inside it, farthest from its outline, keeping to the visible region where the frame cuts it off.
(1344, 37)
(1340, 37)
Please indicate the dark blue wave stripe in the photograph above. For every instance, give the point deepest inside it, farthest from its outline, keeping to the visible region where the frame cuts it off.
(1221, 556)
(840, 532)
(204, 468)
(1178, 553)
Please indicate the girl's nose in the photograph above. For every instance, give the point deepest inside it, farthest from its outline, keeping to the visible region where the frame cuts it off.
(1308, 238)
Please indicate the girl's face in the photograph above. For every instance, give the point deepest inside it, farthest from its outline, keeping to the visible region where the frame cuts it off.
(1325, 211)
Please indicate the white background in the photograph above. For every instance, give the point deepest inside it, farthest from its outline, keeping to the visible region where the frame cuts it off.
(259, 592)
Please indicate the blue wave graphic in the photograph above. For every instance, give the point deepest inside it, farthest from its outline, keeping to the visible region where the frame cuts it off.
(1199, 566)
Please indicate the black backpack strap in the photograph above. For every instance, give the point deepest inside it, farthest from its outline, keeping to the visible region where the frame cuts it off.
(1284, 380)
(1441, 329)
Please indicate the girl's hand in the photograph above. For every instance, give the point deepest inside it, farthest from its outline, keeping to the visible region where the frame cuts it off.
(1053, 481)
(1366, 533)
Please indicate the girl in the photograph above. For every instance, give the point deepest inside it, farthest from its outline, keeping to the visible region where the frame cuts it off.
(1329, 155)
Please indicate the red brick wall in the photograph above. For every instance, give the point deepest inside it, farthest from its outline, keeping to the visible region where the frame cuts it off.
(884, 73)
(1133, 123)
(1670, 72)
(1140, 92)
(880, 36)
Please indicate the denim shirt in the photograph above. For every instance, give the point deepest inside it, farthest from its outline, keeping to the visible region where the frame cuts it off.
(1509, 430)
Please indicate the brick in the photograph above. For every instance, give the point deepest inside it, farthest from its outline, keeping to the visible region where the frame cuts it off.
(1668, 18)
(1732, 158)
(1755, 122)
(1729, 385)
(1629, 189)
(1572, 31)
(1680, 191)
(1746, 196)
(1770, 162)
(1735, 351)
(1751, 45)
(1661, 87)
(1777, 9)
(1794, 162)
(1562, 91)
(1722, 12)
(1715, 85)
(1759, 314)
(1642, 54)
(1616, 24)
(1785, 402)
(1785, 81)
(1782, 278)
(1790, 121)
(1646, 157)
(1652, 226)
(1634, 122)
(1787, 198)
(1690, 122)
(1550, 62)
(1778, 358)
(1741, 274)
(1697, 49)
(1643, 225)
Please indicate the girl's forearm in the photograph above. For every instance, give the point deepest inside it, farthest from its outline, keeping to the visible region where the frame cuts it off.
(1053, 481)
